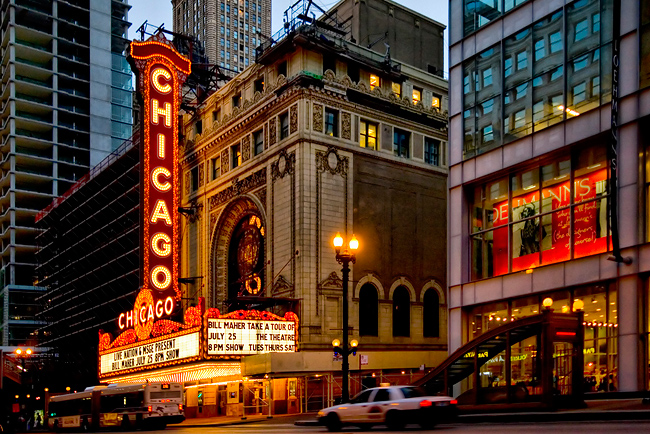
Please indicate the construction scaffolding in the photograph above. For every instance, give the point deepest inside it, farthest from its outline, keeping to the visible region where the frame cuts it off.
(88, 259)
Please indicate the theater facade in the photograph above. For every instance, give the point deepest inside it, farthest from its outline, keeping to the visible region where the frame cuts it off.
(231, 286)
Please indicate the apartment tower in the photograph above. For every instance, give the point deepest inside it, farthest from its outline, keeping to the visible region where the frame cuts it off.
(66, 105)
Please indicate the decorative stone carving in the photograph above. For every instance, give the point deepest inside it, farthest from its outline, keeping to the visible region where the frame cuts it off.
(238, 187)
(213, 221)
(246, 147)
(225, 164)
(285, 165)
(329, 75)
(293, 119)
(331, 162)
(317, 118)
(261, 195)
(273, 136)
(201, 175)
(346, 125)
(186, 184)
(281, 285)
(332, 281)
(266, 136)
(281, 81)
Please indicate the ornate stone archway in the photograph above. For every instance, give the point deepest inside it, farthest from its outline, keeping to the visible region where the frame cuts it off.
(232, 214)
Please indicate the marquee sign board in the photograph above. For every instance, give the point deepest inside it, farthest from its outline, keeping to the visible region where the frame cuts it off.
(245, 337)
(247, 332)
(167, 351)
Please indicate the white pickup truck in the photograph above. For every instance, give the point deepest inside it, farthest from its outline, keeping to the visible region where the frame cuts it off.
(393, 406)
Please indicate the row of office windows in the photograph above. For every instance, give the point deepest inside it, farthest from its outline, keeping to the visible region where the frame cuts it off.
(369, 138)
(556, 69)
(375, 81)
(247, 6)
(541, 215)
(401, 314)
(478, 13)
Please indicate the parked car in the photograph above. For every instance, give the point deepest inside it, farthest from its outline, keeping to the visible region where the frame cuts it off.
(393, 406)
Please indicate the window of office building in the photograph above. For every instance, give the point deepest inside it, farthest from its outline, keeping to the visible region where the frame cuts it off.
(282, 68)
(258, 141)
(553, 70)
(541, 215)
(329, 63)
(417, 95)
(432, 151)
(397, 89)
(435, 101)
(284, 125)
(332, 122)
(478, 13)
(600, 307)
(375, 81)
(216, 168)
(194, 179)
(235, 155)
(368, 135)
(401, 143)
(259, 85)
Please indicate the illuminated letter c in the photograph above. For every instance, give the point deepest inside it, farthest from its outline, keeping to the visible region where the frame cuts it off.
(155, 174)
(155, 80)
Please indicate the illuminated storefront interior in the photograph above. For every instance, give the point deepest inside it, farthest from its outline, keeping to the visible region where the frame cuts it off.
(600, 333)
(542, 215)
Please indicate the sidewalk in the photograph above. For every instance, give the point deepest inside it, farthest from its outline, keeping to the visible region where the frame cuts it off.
(227, 420)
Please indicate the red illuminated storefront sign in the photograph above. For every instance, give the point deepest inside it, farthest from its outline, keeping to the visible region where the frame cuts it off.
(527, 239)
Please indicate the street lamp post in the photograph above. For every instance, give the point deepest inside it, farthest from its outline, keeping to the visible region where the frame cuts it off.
(344, 258)
(22, 354)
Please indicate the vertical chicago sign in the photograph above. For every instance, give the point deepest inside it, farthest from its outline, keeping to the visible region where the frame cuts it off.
(161, 71)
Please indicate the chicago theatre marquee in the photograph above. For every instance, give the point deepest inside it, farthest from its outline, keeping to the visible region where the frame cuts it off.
(153, 342)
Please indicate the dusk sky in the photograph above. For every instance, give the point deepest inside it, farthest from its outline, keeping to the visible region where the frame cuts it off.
(159, 12)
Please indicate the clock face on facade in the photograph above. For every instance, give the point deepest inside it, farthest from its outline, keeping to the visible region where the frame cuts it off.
(247, 248)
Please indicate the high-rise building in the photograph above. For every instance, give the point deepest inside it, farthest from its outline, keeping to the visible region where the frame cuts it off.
(229, 29)
(385, 25)
(543, 212)
(66, 105)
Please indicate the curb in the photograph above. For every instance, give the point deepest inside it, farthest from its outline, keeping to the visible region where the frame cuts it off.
(569, 416)
(572, 416)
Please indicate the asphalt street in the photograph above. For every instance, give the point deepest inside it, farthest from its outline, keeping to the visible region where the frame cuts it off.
(284, 426)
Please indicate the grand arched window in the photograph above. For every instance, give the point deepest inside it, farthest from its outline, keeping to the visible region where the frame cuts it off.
(401, 312)
(368, 311)
(246, 260)
(431, 314)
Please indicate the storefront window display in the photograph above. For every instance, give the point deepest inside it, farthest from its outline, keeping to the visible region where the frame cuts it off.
(600, 345)
(542, 215)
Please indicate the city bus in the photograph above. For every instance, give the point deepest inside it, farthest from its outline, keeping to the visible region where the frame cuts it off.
(124, 406)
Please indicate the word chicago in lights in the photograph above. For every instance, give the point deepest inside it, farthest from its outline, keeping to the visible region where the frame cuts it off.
(148, 339)
(161, 71)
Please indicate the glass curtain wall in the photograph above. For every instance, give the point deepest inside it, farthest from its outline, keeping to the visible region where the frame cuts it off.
(541, 215)
(555, 69)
